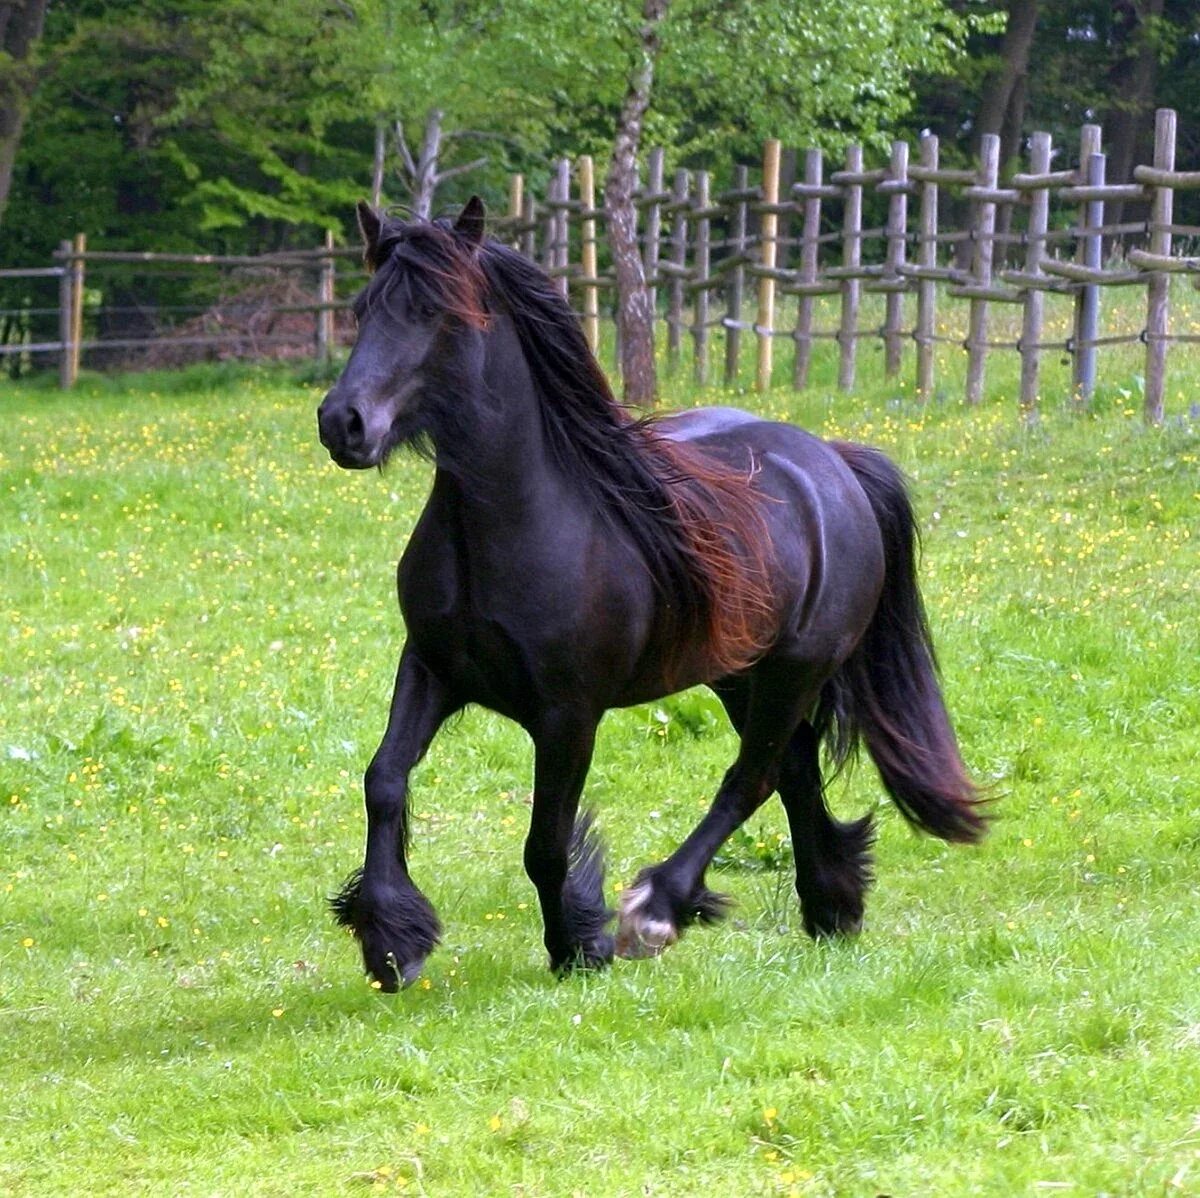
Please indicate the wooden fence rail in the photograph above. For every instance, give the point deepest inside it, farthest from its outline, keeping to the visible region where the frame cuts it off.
(1041, 231)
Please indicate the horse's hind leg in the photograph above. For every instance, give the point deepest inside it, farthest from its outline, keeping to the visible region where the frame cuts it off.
(666, 898)
(395, 925)
(833, 859)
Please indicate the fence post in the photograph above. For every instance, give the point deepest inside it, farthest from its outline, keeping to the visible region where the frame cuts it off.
(927, 263)
(810, 248)
(1087, 301)
(650, 249)
(768, 228)
(530, 227)
(325, 294)
(79, 249)
(550, 228)
(1035, 297)
(516, 206)
(703, 259)
(587, 252)
(897, 229)
(737, 277)
(1158, 285)
(981, 269)
(66, 321)
(852, 262)
(1089, 144)
(562, 228)
(678, 263)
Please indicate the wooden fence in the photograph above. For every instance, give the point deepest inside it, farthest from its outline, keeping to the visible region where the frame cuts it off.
(78, 267)
(1042, 231)
(718, 264)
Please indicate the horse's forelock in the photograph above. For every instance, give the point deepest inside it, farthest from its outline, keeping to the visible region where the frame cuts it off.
(440, 263)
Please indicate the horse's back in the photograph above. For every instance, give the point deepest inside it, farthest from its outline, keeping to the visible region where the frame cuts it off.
(826, 539)
(782, 460)
(737, 436)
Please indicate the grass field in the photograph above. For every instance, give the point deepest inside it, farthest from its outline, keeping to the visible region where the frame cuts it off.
(198, 643)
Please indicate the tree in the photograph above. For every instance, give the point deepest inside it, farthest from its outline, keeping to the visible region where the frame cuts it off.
(1055, 64)
(635, 317)
(243, 125)
(733, 73)
(21, 25)
(1004, 93)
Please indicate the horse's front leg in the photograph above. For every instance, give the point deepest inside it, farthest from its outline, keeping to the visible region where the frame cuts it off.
(563, 857)
(395, 925)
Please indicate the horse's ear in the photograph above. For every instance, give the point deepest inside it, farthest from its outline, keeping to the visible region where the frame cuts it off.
(369, 222)
(470, 221)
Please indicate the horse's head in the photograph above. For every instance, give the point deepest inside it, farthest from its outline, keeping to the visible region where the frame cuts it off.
(426, 290)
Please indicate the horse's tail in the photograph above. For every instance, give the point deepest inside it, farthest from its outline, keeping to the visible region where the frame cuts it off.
(887, 692)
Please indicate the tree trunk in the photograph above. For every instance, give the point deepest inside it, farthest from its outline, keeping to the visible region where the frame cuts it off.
(20, 26)
(427, 178)
(377, 165)
(1002, 107)
(635, 316)
(1130, 119)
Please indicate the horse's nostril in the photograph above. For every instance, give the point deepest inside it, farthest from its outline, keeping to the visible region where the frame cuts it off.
(356, 431)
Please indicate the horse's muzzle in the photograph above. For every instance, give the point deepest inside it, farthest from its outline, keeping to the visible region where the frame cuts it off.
(343, 432)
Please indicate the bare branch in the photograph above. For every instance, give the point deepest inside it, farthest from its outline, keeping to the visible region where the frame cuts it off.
(406, 158)
(453, 171)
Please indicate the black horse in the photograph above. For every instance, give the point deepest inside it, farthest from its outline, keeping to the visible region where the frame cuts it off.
(572, 558)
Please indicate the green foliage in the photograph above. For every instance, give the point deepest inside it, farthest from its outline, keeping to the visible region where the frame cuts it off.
(820, 75)
(1075, 74)
(230, 122)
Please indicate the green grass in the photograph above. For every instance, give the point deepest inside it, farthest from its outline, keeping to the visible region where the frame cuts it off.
(198, 642)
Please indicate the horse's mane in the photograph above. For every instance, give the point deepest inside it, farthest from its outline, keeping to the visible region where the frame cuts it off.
(695, 521)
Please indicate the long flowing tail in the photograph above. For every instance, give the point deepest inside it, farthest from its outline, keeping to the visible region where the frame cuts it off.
(887, 693)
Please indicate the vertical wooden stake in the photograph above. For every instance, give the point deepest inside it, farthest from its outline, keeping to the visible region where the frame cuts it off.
(852, 260)
(703, 258)
(1034, 300)
(1087, 319)
(325, 293)
(981, 271)
(679, 235)
(66, 320)
(79, 249)
(810, 248)
(516, 207)
(927, 260)
(562, 229)
(768, 228)
(652, 249)
(897, 228)
(737, 277)
(530, 228)
(591, 296)
(1089, 145)
(1158, 285)
(549, 226)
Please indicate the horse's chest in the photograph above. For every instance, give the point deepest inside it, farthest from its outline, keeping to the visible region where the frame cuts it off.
(476, 639)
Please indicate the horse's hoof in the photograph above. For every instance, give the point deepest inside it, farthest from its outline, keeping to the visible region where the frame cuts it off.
(391, 975)
(640, 934)
(585, 958)
(833, 926)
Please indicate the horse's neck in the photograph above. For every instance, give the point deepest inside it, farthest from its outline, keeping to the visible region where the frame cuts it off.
(497, 453)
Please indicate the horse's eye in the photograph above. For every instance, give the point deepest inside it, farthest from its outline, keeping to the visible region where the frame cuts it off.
(426, 311)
